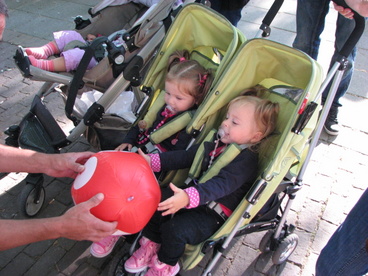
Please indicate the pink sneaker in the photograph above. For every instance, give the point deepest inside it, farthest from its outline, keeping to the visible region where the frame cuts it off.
(104, 247)
(142, 256)
(158, 268)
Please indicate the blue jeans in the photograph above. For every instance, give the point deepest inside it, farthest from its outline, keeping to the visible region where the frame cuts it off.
(346, 251)
(310, 22)
(188, 226)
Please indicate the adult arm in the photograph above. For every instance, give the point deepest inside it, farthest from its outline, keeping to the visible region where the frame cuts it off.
(360, 6)
(76, 224)
(57, 165)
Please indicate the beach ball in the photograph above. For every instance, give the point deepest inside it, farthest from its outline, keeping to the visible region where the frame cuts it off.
(131, 192)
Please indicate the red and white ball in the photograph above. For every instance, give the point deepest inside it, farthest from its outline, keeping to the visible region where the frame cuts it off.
(131, 192)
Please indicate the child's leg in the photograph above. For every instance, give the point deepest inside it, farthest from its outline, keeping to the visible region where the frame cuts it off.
(191, 226)
(142, 257)
(44, 51)
(104, 247)
(52, 65)
(73, 57)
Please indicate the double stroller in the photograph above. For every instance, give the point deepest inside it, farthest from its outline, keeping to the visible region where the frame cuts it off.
(294, 81)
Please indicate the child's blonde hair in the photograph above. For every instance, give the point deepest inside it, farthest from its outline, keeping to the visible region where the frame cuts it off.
(194, 79)
(266, 112)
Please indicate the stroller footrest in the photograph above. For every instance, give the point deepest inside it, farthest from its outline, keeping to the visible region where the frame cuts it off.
(22, 61)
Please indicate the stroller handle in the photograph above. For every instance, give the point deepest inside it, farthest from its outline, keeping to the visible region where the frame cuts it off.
(267, 20)
(356, 33)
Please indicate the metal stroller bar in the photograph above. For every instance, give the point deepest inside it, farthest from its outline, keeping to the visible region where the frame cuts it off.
(338, 70)
(113, 91)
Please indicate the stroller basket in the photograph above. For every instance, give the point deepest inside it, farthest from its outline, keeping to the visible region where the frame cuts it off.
(39, 131)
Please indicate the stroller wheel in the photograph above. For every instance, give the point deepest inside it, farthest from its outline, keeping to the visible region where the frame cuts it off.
(285, 249)
(31, 200)
(264, 244)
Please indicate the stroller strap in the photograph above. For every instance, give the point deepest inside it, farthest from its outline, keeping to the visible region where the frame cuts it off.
(220, 162)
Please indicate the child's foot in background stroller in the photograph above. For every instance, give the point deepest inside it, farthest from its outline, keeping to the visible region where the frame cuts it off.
(158, 268)
(142, 257)
(44, 51)
(104, 247)
(331, 125)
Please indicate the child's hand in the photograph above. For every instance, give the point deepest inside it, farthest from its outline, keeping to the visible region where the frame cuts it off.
(123, 146)
(145, 156)
(173, 204)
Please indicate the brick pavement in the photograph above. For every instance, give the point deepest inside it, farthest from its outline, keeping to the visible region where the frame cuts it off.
(333, 182)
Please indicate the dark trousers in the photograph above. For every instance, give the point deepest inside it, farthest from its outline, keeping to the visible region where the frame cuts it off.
(233, 15)
(188, 226)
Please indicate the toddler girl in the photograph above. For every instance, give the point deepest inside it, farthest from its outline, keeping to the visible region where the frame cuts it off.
(186, 84)
(249, 119)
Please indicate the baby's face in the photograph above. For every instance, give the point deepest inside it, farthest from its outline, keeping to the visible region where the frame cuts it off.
(240, 126)
(90, 37)
(176, 99)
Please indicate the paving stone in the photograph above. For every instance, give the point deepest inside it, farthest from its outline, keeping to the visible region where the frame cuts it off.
(325, 230)
(78, 254)
(46, 262)
(18, 265)
(308, 219)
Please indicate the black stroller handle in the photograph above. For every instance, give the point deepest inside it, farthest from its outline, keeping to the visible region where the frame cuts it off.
(269, 17)
(272, 12)
(356, 33)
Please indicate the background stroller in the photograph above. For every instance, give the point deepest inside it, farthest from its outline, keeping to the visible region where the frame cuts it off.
(40, 131)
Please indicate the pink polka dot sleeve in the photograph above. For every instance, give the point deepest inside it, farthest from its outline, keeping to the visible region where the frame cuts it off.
(155, 162)
(193, 197)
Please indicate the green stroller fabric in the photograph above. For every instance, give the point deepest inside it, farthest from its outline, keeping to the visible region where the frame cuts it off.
(273, 65)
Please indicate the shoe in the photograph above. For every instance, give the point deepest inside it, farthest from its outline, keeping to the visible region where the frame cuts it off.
(331, 125)
(141, 258)
(103, 247)
(158, 268)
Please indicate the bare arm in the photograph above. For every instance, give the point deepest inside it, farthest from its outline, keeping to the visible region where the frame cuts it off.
(77, 224)
(360, 6)
(57, 165)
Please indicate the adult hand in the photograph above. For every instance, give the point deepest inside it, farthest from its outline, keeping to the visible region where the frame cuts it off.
(79, 224)
(346, 12)
(65, 164)
(179, 200)
(360, 6)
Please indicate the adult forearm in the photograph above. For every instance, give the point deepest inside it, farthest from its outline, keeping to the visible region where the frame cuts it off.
(21, 232)
(16, 160)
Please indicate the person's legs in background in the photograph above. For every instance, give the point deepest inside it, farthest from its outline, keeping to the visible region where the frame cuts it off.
(346, 252)
(310, 22)
(344, 27)
(230, 9)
